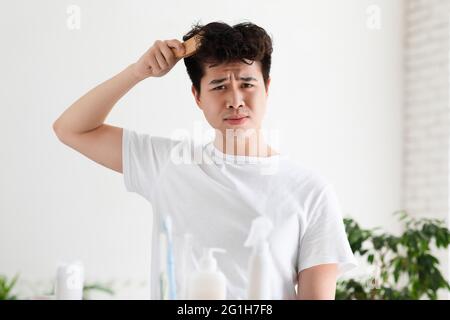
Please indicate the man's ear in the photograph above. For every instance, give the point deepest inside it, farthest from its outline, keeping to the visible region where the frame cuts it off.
(196, 96)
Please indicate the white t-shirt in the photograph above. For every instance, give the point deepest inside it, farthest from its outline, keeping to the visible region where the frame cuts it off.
(216, 196)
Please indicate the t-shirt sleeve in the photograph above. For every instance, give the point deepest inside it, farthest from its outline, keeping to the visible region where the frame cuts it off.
(325, 240)
(143, 159)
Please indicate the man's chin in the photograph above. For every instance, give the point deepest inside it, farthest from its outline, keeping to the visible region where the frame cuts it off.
(238, 131)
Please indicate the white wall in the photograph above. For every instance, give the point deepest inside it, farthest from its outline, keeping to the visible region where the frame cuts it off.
(427, 122)
(336, 97)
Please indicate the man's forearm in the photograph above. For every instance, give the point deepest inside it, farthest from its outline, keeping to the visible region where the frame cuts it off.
(90, 111)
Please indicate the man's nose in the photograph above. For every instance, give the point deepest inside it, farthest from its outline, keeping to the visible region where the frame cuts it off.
(235, 99)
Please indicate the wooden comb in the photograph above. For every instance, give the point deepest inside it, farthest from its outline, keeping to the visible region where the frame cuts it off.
(191, 46)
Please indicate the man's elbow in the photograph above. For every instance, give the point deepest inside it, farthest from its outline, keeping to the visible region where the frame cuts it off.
(56, 129)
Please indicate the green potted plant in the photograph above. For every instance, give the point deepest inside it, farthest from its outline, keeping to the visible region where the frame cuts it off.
(407, 268)
(6, 287)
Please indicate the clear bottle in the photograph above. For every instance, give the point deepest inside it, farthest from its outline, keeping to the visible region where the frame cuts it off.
(188, 264)
(208, 282)
(260, 265)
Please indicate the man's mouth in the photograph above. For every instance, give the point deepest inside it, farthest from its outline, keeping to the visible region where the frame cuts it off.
(236, 119)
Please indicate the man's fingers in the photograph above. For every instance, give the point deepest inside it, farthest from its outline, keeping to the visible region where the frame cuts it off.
(177, 45)
(154, 64)
(168, 53)
(163, 64)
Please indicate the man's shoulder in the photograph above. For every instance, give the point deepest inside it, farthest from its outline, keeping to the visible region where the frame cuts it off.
(303, 174)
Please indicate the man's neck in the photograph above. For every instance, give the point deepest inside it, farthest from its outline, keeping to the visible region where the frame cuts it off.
(250, 146)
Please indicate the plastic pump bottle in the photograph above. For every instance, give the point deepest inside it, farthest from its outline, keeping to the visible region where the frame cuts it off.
(208, 282)
(260, 266)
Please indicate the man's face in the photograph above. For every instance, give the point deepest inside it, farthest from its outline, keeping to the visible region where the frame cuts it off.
(233, 90)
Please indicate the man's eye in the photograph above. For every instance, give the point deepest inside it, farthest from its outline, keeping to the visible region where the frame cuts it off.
(245, 84)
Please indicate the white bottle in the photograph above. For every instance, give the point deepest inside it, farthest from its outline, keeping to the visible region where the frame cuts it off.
(260, 265)
(69, 281)
(208, 282)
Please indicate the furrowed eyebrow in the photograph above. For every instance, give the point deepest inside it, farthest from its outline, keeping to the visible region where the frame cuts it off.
(217, 81)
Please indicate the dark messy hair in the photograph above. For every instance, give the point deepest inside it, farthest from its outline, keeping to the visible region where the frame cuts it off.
(222, 43)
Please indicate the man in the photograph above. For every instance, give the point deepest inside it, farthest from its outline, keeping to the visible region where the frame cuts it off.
(216, 199)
